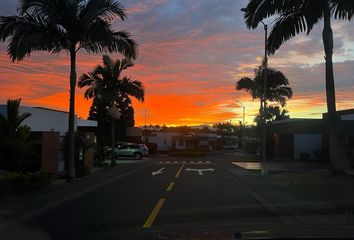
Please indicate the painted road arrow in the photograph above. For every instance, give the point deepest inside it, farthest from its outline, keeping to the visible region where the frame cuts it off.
(158, 171)
(200, 171)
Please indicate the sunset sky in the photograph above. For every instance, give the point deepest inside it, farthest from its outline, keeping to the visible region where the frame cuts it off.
(191, 53)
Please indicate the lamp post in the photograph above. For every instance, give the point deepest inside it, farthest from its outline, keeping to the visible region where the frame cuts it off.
(243, 124)
(264, 170)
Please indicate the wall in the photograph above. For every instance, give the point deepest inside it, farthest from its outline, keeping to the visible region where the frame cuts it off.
(134, 132)
(306, 143)
(163, 140)
(50, 151)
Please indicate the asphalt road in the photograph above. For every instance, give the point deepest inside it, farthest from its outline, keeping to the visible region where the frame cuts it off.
(182, 195)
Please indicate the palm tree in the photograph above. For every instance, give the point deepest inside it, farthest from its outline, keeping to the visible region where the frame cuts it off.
(278, 114)
(105, 83)
(296, 16)
(69, 25)
(273, 113)
(14, 137)
(278, 89)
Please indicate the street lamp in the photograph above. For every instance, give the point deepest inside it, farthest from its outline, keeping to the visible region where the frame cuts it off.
(243, 125)
(264, 170)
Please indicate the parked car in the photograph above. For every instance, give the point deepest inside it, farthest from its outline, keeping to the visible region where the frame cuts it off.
(125, 149)
(137, 151)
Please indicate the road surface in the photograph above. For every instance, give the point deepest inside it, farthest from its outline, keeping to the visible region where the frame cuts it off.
(170, 197)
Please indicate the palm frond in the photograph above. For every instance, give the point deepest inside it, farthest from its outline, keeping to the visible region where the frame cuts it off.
(90, 92)
(258, 10)
(30, 33)
(286, 27)
(99, 37)
(292, 21)
(248, 85)
(42, 7)
(342, 9)
(88, 79)
(23, 117)
(106, 10)
(133, 88)
(123, 43)
(121, 65)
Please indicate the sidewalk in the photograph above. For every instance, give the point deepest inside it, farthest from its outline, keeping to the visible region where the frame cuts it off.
(288, 166)
(311, 196)
(21, 206)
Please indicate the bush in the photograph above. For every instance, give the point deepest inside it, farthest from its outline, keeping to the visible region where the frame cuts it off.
(24, 182)
(305, 156)
(99, 156)
(152, 147)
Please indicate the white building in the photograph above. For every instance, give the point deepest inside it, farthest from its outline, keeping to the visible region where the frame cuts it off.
(163, 140)
(166, 141)
(50, 120)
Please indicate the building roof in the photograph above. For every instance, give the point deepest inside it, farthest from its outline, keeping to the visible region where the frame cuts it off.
(50, 109)
(340, 113)
(298, 125)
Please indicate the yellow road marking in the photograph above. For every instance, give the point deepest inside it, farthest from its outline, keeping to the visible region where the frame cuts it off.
(179, 171)
(169, 188)
(154, 213)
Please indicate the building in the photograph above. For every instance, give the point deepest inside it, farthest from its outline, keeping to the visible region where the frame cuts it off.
(293, 137)
(50, 127)
(190, 140)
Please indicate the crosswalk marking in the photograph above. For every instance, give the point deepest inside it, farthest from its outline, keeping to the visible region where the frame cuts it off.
(185, 162)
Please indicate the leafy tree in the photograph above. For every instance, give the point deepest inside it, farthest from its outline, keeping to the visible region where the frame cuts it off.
(98, 112)
(293, 17)
(106, 84)
(15, 142)
(66, 25)
(225, 128)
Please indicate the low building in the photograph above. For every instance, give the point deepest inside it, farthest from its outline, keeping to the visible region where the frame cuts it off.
(50, 127)
(191, 140)
(293, 137)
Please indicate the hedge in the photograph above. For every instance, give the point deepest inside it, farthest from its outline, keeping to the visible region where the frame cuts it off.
(25, 181)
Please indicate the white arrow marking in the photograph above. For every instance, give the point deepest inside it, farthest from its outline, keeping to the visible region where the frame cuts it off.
(200, 171)
(158, 171)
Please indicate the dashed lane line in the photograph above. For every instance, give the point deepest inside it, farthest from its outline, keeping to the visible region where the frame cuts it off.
(179, 171)
(170, 186)
(150, 220)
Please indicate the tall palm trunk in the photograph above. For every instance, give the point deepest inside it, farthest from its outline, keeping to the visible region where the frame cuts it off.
(113, 160)
(71, 151)
(327, 36)
(337, 154)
